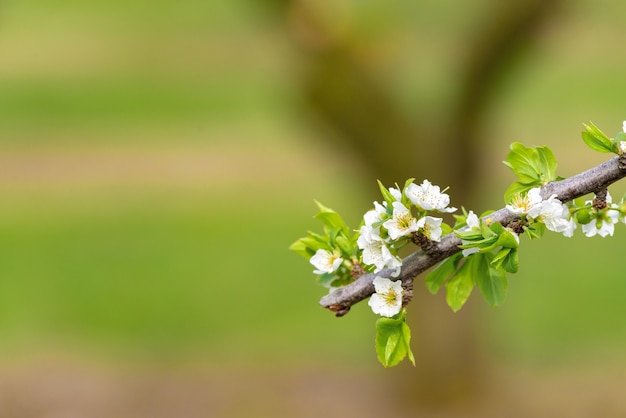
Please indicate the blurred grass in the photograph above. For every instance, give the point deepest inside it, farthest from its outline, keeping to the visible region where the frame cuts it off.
(136, 101)
(170, 271)
(162, 272)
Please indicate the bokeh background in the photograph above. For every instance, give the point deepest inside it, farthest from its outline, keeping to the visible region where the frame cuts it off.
(158, 158)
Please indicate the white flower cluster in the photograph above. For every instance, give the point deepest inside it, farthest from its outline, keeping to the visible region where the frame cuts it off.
(551, 211)
(392, 221)
(603, 220)
(556, 215)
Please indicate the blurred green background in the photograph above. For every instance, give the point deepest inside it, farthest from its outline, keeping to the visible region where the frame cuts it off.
(158, 158)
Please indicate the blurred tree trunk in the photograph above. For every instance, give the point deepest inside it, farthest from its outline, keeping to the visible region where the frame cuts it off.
(395, 146)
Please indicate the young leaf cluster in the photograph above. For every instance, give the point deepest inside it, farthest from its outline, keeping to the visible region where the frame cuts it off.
(599, 141)
(337, 240)
(493, 254)
(534, 167)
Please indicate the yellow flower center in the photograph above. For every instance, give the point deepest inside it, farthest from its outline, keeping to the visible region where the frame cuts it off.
(391, 297)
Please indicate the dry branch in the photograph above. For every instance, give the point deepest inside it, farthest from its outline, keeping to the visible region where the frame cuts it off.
(590, 181)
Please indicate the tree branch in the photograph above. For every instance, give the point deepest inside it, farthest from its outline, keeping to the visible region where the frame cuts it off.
(590, 181)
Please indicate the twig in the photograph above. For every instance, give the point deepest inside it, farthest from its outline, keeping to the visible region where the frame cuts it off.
(593, 180)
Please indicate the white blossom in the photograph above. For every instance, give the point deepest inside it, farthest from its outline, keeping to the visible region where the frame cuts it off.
(602, 227)
(371, 218)
(472, 223)
(431, 227)
(402, 222)
(367, 234)
(528, 204)
(569, 230)
(396, 193)
(387, 301)
(376, 253)
(325, 261)
(551, 211)
(376, 214)
(555, 216)
(428, 197)
(603, 223)
(624, 126)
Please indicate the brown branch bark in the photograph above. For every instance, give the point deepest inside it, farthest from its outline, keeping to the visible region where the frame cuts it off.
(590, 181)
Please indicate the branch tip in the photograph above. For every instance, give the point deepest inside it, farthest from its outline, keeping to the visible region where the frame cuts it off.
(594, 180)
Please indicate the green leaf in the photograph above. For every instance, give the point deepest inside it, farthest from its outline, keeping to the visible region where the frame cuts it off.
(307, 246)
(507, 239)
(471, 235)
(596, 139)
(532, 164)
(299, 247)
(547, 162)
(393, 337)
(536, 230)
(347, 246)
(331, 220)
(386, 193)
(434, 279)
(459, 287)
(491, 281)
(487, 231)
(524, 162)
(511, 262)
(593, 143)
(486, 244)
(406, 336)
(506, 259)
(497, 228)
(498, 259)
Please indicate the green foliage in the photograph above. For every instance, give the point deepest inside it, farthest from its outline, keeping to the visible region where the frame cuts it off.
(533, 167)
(460, 286)
(386, 195)
(599, 141)
(483, 268)
(333, 224)
(337, 238)
(489, 277)
(596, 139)
(445, 269)
(393, 337)
(336, 235)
